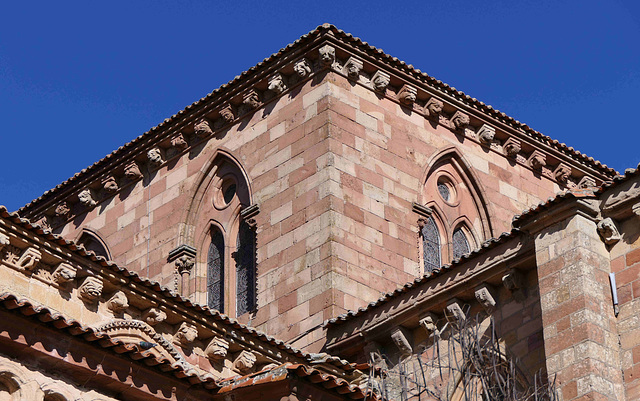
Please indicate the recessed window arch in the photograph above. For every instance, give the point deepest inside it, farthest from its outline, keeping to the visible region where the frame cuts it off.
(92, 242)
(459, 243)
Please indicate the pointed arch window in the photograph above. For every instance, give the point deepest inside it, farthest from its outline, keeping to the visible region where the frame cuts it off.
(430, 245)
(245, 269)
(460, 243)
(215, 271)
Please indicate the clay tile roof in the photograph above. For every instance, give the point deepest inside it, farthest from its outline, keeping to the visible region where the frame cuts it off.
(372, 51)
(167, 293)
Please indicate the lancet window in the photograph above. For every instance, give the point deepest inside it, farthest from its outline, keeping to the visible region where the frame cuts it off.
(215, 271)
(430, 245)
(460, 244)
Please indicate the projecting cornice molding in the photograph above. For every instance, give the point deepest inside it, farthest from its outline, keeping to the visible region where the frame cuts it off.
(324, 50)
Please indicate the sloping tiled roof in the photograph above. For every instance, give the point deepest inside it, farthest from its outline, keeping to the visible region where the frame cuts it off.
(372, 51)
(165, 292)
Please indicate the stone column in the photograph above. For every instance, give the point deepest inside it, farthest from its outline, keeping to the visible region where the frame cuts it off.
(581, 339)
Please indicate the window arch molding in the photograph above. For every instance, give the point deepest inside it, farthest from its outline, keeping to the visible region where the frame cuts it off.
(92, 241)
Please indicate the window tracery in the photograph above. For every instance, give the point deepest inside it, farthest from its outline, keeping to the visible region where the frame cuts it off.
(430, 245)
(215, 271)
(459, 243)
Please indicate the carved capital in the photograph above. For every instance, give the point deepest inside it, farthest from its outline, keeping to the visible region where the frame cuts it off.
(203, 128)
(455, 311)
(460, 120)
(132, 171)
(486, 134)
(433, 108)
(408, 95)
(380, 81)
(90, 289)
(251, 99)
(511, 147)
(327, 56)
(154, 316)
(155, 157)
(179, 142)
(29, 259)
(401, 338)
(217, 349)
(86, 198)
(562, 173)
(608, 230)
(62, 210)
(118, 303)
(484, 295)
(227, 114)
(63, 274)
(352, 68)
(428, 322)
(186, 334)
(110, 184)
(537, 160)
(302, 68)
(245, 361)
(184, 264)
(277, 84)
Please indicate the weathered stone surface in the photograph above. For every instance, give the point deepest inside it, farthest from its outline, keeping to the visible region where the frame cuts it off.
(118, 302)
(407, 95)
(245, 361)
(327, 55)
(91, 289)
(217, 349)
(186, 334)
(608, 230)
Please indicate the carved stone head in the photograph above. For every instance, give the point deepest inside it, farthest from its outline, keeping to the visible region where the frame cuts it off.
(186, 334)
(353, 68)
(62, 210)
(428, 322)
(402, 340)
(302, 67)
(608, 230)
(276, 84)
(203, 128)
(155, 156)
(408, 95)
(226, 113)
(118, 302)
(537, 160)
(217, 348)
(63, 274)
(245, 361)
(511, 147)
(380, 81)
(460, 120)
(562, 173)
(91, 289)
(85, 198)
(486, 133)
(485, 298)
(110, 184)
(434, 107)
(154, 316)
(132, 171)
(179, 142)
(251, 99)
(4, 241)
(327, 55)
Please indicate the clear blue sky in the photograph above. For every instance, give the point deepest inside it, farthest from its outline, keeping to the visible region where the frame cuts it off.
(77, 80)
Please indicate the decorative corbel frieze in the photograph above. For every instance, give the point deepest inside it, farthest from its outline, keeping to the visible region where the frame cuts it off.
(178, 142)
(511, 147)
(251, 99)
(408, 95)
(428, 322)
(277, 84)
(227, 114)
(217, 349)
(327, 56)
(302, 68)
(118, 303)
(4, 241)
(245, 361)
(85, 197)
(186, 334)
(514, 282)
(455, 311)
(352, 68)
(537, 160)
(154, 316)
(44, 223)
(433, 108)
(460, 120)
(132, 171)
(484, 295)
(110, 184)
(155, 157)
(63, 274)
(486, 134)
(608, 230)
(203, 128)
(401, 338)
(29, 259)
(586, 182)
(62, 210)
(90, 289)
(380, 81)
(562, 173)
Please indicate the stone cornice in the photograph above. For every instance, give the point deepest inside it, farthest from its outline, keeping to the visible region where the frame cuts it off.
(278, 75)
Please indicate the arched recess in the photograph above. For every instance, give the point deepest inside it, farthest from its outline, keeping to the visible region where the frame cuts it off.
(92, 241)
(17, 384)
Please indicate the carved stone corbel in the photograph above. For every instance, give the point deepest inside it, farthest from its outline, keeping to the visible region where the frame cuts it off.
(428, 322)
(178, 142)
(537, 160)
(86, 198)
(227, 114)
(302, 68)
(62, 210)
(514, 282)
(455, 311)
(251, 99)
(63, 274)
(486, 134)
(90, 289)
(110, 184)
(29, 259)
(245, 361)
(408, 95)
(203, 128)
(433, 108)
(132, 171)
(511, 147)
(217, 349)
(155, 157)
(186, 334)
(4, 241)
(608, 230)
(352, 68)
(380, 81)
(118, 303)
(277, 84)
(460, 120)
(327, 56)
(586, 182)
(154, 316)
(562, 173)
(484, 295)
(401, 338)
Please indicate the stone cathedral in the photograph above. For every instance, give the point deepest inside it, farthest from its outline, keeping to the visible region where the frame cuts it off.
(332, 224)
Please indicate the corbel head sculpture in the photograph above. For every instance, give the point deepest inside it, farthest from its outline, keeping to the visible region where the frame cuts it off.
(217, 349)
(327, 55)
(302, 67)
(91, 289)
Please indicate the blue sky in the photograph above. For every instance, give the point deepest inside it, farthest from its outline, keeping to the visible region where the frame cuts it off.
(77, 80)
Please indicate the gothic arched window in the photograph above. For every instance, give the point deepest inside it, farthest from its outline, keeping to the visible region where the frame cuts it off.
(430, 245)
(245, 269)
(215, 271)
(460, 243)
